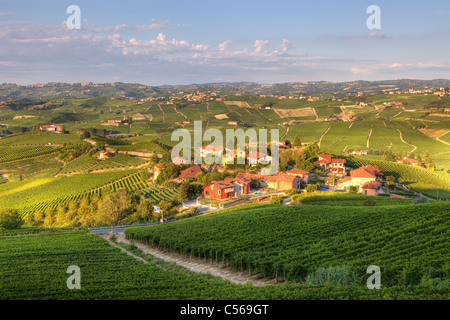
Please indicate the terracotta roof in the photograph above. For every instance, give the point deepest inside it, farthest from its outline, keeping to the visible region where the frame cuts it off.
(190, 172)
(362, 173)
(256, 155)
(297, 172)
(345, 179)
(371, 168)
(371, 185)
(325, 157)
(338, 160)
(213, 148)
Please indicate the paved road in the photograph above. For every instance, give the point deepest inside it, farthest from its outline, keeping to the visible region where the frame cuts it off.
(113, 230)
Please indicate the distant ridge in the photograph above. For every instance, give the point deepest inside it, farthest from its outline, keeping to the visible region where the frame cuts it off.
(55, 90)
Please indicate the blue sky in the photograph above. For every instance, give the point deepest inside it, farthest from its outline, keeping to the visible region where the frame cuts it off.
(182, 42)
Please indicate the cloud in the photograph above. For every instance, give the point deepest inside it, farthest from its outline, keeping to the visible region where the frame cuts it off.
(8, 14)
(369, 35)
(286, 45)
(260, 45)
(224, 45)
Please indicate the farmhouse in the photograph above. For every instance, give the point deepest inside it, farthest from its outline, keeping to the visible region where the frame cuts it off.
(362, 178)
(410, 161)
(359, 152)
(52, 128)
(211, 151)
(327, 163)
(189, 173)
(371, 188)
(256, 158)
(228, 188)
(103, 155)
(304, 175)
(115, 122)
(279, 181)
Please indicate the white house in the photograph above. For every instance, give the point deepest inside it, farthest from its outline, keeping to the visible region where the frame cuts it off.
(256, 158)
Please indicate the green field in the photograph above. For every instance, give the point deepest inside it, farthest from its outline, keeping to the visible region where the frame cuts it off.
(107, 273)
(297, 241)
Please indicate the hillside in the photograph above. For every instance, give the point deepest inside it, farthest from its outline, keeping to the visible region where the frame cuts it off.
(297, 242)
(107, 273)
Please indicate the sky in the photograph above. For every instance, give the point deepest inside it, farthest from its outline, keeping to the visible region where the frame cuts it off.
(201, 41)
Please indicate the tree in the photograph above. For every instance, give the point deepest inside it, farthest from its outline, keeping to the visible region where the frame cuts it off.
(427, 159)
(115, 207)
(390, 181)
(145, 209)
(10, 219)
(183, 192)
(297, 142)
(353, 189)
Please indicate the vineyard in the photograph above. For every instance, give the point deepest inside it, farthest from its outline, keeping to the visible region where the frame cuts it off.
(132, 183)
(89, 163)
(419, 179)
(293, 243)
(108, 273)
(347, 199)
(15, 153)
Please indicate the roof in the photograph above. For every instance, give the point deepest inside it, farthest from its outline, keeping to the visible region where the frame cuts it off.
(345, 179)
(371, 168)
(409, 160)
(212, 148)
(297, 172)
(338, 160)
(279, 176)
(371, 185)
(256, 155)
(190, 172)
(362, 173)
(326, 157)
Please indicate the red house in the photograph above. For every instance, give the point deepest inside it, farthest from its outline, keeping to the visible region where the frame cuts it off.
(326, 162)
(228, 188)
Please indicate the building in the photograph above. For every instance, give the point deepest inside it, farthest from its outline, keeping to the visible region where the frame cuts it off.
(157, 170)
(256, 158)
(304, 175)
(104, 155)
(359, 152)
(410, 161)
(189, 173)
(371, 188)
(327, 163)
(360, 179)
(337, 166)
(212, 151)
(228, 188)
(52, 128)
(279, 181)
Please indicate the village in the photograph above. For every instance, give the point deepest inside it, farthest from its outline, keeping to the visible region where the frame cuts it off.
(247, 184)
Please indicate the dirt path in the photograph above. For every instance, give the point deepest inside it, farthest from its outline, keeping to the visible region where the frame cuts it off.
(368, 138)
(315, 113)
(182, 114)
(401, 138)
(195, 265)
(164, 120)
(323, 134)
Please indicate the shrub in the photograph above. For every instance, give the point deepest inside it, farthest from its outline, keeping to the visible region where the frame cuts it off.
(291, 192)
(276, 200)
(420, 199)
(10, 219)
